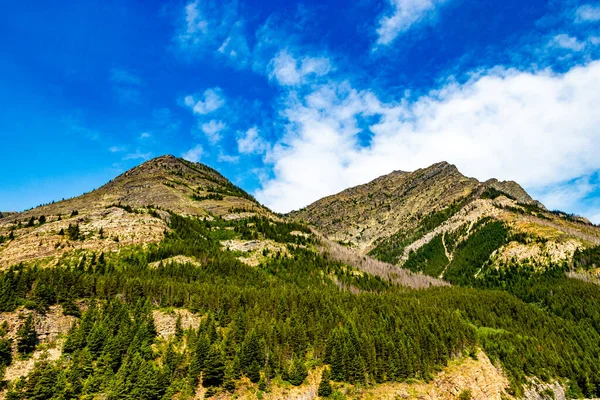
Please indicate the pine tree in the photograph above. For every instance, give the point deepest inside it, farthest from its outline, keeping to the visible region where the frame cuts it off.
(214, 368)
(96, 339)
(251, 351)
(325, 388)
(297, 373)
(27, 336)
(178, 327)
(146, 385)
(5, 353)
(199, 358)
(229, 379)
(253, 372)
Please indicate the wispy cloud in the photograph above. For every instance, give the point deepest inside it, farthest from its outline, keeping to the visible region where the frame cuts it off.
(116, 149)
(289, 71)
(124, 77)
(229, 159)
(404, 15)
(138, 155)
(250, 142)
(587, 13)
(568, 42)
(211, 100)
(215, 28)
(194, 154)
(126, 85)
(212, 129)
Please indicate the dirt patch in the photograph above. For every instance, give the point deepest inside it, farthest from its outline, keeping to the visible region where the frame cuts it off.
(165, 321)
(176, 260)
(255, 251)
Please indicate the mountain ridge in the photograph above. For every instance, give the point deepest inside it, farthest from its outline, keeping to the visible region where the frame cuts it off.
(132, 208)
(402, 213)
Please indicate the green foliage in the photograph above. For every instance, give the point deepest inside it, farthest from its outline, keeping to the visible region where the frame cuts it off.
(27, 336)
(265, 321)
(210, 196)
(325, 388)
(214, 368)
(465, 395)
(430, 259)
(587, 258)
(73, 232)
(392, 248)
(493, 193)
(5, 353)
(471, 254)
(297, 372)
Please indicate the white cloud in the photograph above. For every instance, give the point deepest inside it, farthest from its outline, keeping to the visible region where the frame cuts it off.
(194, 154)
(595, 218)
(250, 142)
(211, 100)
(116, 149)
(289, 71)
(145, 135)
(405, 14)
(567, 195)
(587, 13)
(567, 42)
(212, 129)
(540, 129)
(224, 158)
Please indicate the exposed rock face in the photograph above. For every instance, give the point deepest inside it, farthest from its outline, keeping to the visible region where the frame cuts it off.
(514, 190)
(365, 213)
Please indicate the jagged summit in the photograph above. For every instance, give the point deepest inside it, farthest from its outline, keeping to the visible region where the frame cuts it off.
(401, 212)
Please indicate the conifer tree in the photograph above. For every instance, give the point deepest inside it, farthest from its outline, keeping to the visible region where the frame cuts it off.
(325, 388)
(253, 372)
(27, 336)
(5, 353)
(178, 327)
(199, 358)
(297, 373)
(214, 368)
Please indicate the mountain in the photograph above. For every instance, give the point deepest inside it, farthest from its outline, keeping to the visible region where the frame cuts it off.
(131, 209)
(170, 282)
(422, 219)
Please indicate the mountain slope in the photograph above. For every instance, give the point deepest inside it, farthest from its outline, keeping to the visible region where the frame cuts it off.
(430, 214)
(131, 209)
(247, 305)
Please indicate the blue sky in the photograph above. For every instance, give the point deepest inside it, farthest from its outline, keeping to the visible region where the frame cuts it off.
(297, 100)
